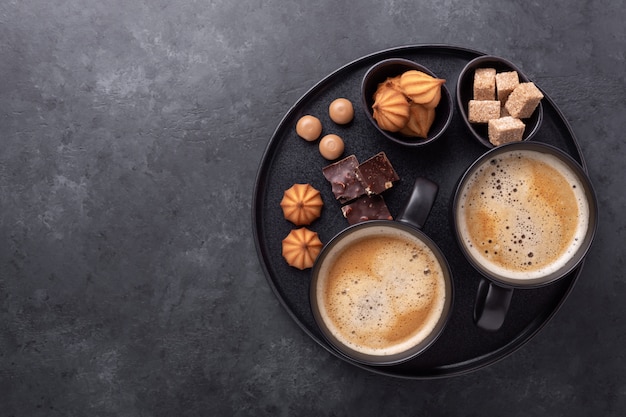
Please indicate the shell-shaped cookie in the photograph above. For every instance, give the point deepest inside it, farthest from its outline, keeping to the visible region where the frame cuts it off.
(420, 87)
(393, 82)
(301, 204)
(390, 109)
(435, 101)
(420, 120)
(301, 247)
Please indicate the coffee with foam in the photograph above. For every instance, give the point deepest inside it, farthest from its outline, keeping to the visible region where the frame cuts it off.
(522, 215)
(381, 291)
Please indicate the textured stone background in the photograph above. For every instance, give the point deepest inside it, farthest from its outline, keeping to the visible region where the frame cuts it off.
(130, 135)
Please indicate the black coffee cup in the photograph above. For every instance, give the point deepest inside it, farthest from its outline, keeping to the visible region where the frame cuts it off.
(376, 298)
(524, 216)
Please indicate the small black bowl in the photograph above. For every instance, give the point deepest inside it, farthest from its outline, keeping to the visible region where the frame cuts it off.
(465, 92)
(391, 68)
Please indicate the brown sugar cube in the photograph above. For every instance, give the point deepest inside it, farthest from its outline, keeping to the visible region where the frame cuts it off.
(485, 84)
(523, 100)
(481, 111)
(503, 112)
(505, 84)
(505, 130)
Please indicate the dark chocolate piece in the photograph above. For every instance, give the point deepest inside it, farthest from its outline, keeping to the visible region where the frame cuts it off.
(342, 177)
(377, 174)
(368, 207)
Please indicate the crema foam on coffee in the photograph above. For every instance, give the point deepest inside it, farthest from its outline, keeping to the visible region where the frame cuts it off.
(382, 293)
(523, 214)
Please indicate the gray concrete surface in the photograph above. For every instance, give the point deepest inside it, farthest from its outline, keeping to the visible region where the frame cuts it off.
(130, 136)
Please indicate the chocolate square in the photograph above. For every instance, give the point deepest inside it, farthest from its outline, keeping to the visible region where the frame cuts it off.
(342, 177)
(377, 174)
(368, 207)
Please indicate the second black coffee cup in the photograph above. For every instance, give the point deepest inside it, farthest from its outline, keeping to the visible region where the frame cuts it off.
(524, 215)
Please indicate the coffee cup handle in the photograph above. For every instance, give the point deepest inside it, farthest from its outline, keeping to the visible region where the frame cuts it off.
(492, 304)
(421, 201)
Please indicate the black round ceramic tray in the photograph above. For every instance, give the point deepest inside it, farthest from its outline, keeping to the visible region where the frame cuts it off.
(462, 347)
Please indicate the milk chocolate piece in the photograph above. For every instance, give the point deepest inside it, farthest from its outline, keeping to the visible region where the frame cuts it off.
(368, 207)
(376, 174)
(342, 177)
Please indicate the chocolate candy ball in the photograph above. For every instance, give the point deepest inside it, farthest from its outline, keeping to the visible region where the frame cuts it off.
(341, 111)
(309, 128)
(331, 146)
